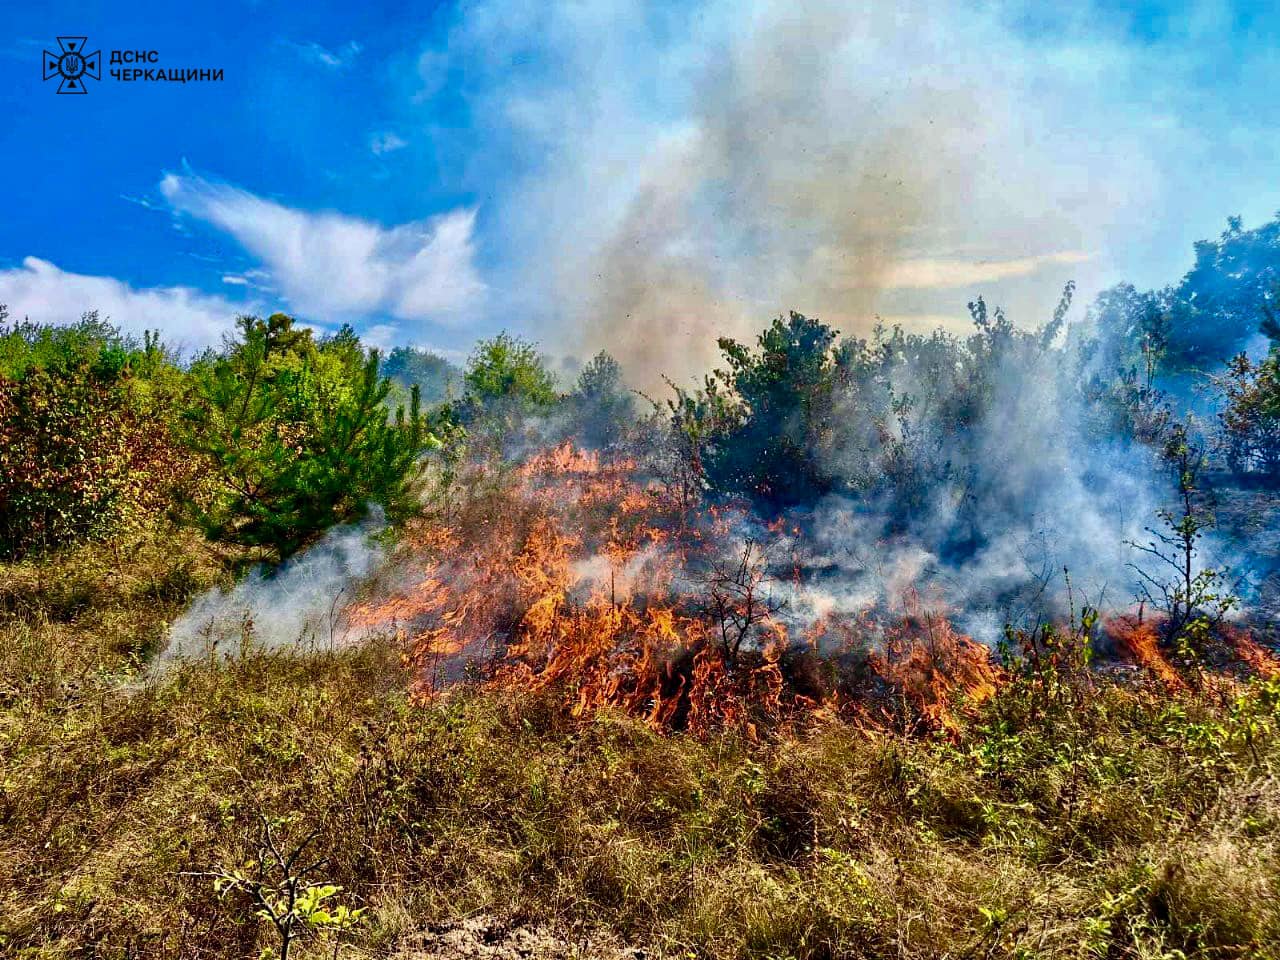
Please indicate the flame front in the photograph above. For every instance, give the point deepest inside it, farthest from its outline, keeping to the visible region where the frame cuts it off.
(583, 579)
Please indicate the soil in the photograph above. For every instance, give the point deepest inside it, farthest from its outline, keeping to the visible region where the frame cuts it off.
(491, 938)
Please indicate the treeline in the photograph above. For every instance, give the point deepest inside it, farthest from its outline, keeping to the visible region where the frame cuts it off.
(805, 413)
(264, 442)
(1218, 324)
(281, 433)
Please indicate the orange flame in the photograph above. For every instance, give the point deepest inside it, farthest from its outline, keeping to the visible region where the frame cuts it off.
(1139, 638)
(573, 579)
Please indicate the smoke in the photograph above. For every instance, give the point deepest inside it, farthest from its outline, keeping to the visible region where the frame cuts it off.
(657, 176)
(667, 174)
(985, 478)
(297, 605)
(1027, 510)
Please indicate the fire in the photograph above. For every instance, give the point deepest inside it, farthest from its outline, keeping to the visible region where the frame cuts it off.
(1256, 658)
(936, 668)
(580, 578)
(1139, 638)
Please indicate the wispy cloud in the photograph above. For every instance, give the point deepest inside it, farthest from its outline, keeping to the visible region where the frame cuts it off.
(333, 266)
(386, 142)
(146, 203)
(928, 273)
(47, 294)
(256, 279)
(337, 59)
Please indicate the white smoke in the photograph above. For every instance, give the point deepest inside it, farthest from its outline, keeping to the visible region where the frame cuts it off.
(297, 605)
(1030, 510)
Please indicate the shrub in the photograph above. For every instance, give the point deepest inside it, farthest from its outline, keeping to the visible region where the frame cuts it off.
(762, 416)
(85, 445)
(894, 417)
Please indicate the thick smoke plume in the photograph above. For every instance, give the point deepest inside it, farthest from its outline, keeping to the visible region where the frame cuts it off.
(681, 171)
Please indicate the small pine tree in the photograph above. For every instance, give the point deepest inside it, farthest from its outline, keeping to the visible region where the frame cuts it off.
(298, 435)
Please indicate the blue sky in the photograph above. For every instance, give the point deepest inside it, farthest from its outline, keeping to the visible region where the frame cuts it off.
(611, 173)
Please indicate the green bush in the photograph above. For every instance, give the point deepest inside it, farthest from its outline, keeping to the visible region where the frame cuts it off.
(506, 373)
(508, 391)
(85, 449)
(783, 392)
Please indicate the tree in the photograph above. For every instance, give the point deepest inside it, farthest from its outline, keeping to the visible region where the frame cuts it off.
(1250, 420)
(1194, 593)
(432, 374)
(1218, 301)
(508, 392)
(1132, 331)
(804, 415)
(298, 435)
(506, 371)
(1208, 316)
(778, 408)
(601, 404)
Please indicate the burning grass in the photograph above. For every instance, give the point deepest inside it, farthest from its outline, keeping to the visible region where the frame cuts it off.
(581, 706)
(579, 577)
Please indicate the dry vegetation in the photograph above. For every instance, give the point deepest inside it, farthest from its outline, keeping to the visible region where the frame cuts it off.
(1065, 817)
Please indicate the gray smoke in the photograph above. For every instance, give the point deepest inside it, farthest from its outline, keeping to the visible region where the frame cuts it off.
(666, 173)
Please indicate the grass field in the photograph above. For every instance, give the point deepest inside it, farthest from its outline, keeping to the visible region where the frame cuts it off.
(1102, 818)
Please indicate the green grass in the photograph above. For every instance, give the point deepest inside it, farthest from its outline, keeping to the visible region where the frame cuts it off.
(1132, 825)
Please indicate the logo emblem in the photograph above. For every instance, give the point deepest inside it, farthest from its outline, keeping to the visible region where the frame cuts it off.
(72, 65)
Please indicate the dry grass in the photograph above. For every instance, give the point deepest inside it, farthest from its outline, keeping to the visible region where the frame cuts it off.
(1143, 826)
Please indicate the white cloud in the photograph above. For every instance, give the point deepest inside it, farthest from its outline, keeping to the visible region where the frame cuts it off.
(41, 291)
(333, 59)
(335, 266)
(388, 142)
